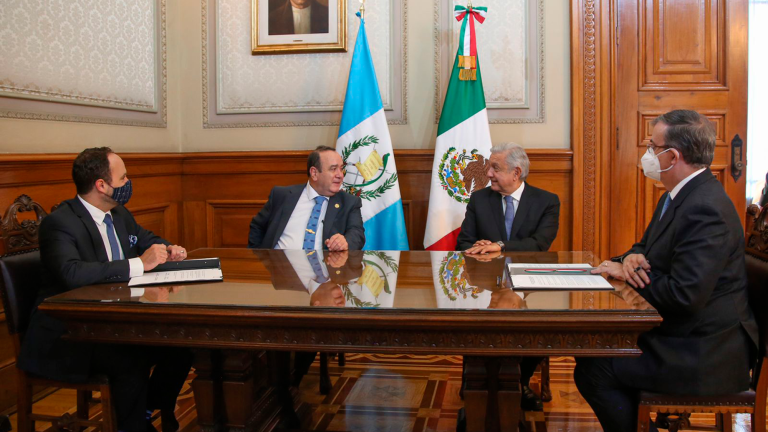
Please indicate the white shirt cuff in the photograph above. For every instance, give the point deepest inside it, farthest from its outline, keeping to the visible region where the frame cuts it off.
(137, 267)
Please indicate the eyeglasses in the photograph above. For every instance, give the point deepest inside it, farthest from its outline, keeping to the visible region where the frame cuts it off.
(651, 147)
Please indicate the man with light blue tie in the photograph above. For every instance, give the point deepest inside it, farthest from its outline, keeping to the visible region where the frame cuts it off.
(511, 215)
(314, 215)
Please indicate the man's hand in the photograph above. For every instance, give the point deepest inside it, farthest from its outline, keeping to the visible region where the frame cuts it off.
(337, 259)
(635, 268)
(612, 269)
(483, 247)
(337, 243)
(154, 256)
(176, 253)
(486, 258)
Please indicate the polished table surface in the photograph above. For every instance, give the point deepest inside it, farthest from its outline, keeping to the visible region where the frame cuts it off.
(272, 302)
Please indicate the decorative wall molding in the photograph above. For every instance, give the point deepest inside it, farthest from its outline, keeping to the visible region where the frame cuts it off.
(505, 106)
(298, 114)
(44, 102)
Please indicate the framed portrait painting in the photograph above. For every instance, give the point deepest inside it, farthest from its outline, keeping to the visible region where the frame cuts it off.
(298, 26)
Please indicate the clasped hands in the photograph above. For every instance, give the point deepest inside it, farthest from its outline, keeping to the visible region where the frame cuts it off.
(634, 270)
(159, 253)
(483, 247)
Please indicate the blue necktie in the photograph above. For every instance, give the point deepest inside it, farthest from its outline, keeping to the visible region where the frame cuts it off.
(509, 214)
(314, 219)
(664, 207)
(113, 244)
(314, 261)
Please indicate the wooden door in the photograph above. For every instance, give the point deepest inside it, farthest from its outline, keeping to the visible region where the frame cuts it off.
(673, 54)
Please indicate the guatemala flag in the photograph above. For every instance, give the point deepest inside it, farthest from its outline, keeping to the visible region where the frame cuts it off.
(366, 149)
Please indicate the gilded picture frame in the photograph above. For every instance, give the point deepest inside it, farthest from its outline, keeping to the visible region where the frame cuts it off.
(298, 26)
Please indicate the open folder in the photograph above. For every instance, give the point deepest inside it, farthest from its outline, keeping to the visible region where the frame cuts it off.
(556, 277)
(196, 270)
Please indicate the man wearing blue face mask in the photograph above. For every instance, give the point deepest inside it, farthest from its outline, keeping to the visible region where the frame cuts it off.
(689, 265)
(93, 239)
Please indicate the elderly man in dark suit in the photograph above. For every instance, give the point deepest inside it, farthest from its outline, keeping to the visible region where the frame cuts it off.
(297, 17)
(93, 239)
(511, 215)
(312, 215)
(689, 265)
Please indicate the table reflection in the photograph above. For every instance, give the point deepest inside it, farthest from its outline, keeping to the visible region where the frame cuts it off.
(367, 280)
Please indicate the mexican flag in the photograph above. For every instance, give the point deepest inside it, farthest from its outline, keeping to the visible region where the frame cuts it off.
(463, 140)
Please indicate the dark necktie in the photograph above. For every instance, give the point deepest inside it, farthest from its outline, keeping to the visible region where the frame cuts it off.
(509, 214)
(314, 218)
(664, 207)
(114, 246)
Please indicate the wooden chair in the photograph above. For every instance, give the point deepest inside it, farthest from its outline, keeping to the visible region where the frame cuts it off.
(20, 270)
(752, 401)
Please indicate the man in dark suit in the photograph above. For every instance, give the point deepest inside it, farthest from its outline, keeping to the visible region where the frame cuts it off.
(313, 215)
(511, 215)
(689, 265)
(297, 17)
(93, 239)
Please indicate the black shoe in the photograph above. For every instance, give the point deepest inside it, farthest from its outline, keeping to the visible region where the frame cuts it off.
(530, 401)
(150, 426)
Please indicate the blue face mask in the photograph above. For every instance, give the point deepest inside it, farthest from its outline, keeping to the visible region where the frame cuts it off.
(123, 193)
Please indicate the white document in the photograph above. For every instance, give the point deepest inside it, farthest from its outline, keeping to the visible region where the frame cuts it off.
(547, 266)
(177, 276)
(569, 282)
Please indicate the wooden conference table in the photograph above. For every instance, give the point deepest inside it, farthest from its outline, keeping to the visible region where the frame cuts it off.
(271, 303)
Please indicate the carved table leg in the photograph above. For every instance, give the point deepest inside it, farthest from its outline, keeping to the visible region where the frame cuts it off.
(207, 390)
(237, 389)
(546, 391)
(509, 393)
(492, 393)
(475, 392)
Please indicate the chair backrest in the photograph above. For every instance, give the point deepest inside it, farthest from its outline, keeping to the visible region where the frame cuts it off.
(20, 236)
(756, 257)
(20, 267)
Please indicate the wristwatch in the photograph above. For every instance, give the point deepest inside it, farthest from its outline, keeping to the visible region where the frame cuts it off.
(501, 244)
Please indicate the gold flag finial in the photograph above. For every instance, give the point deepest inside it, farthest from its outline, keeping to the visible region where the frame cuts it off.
(362, 9)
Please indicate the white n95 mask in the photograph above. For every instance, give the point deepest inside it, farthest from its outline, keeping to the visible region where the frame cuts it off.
(652, 166)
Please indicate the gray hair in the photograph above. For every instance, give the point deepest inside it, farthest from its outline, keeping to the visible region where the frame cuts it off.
(515, 156)
(690, 133)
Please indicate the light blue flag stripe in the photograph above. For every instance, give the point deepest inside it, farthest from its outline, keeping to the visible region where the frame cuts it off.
(363, 98)
(386, 230)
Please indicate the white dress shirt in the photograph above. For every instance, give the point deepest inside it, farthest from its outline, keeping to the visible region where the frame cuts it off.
(300, 263)
(293, 235)
(515, 199)
(683, 182)
(135, 264)
(301, 20)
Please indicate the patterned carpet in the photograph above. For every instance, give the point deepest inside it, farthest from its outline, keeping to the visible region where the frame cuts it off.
(399, 393)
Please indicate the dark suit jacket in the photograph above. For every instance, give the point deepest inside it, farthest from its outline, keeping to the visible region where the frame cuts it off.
(269, 224)
(699, 286)
(281, 18)
(534, 228)
(74, 255)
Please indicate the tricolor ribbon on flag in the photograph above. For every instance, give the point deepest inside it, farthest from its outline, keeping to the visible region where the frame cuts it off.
(467, 51)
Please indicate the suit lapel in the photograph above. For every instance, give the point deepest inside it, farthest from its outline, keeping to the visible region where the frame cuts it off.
(523, 208)
(98, 244)
(122, 235)
(334, 207)
(669, 215)
(498, 214)
(290, 203)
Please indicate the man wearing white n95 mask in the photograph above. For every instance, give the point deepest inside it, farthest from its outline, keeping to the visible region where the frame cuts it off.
(690, 266)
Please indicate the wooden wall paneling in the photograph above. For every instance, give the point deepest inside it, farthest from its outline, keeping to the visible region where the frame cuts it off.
(229, 221)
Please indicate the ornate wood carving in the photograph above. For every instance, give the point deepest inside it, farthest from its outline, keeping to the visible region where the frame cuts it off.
(757, 230)
(590, 125)
(19, 236)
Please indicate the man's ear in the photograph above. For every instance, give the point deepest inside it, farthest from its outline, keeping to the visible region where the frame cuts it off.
(313, 173)
(101, 186)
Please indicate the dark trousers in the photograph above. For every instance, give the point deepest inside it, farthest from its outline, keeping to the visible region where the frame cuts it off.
(133, 390)
(613, 401)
